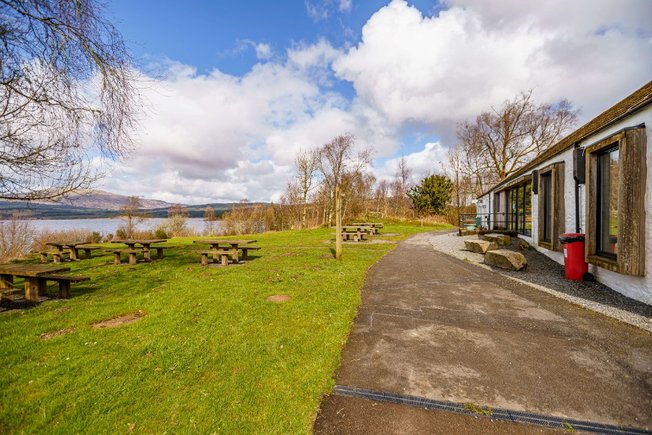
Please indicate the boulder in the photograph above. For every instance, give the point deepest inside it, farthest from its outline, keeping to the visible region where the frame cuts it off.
(506, 259)
(499, 239)
(479, 246)
(523, 244)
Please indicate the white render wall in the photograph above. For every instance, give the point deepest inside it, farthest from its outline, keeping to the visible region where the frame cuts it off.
(635, 287)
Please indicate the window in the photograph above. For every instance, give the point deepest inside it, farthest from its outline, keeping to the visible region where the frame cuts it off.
(615, 202)
(520, 209)
(546, 192)
(551, 215)
(607, 206)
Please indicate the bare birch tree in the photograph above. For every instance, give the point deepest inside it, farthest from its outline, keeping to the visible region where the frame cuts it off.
(66, 91)
(306, 164)
(382, 197)
(400, 187)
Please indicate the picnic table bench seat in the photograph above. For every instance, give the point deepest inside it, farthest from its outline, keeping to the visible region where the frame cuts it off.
(224, 255)
(57, 256)
(117, 255)
(356, 236)
(64, 282)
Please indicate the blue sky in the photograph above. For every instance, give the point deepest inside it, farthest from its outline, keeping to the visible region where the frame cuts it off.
(232, 90)
(209, 34)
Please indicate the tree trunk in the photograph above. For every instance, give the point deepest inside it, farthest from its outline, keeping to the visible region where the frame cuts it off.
(338, 224)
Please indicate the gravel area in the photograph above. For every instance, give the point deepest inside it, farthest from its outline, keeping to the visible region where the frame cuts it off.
(547, 275)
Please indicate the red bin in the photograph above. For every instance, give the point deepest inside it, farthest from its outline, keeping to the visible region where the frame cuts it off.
(574, 265)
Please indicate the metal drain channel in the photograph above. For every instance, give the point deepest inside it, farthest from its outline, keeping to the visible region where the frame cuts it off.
(496, 413)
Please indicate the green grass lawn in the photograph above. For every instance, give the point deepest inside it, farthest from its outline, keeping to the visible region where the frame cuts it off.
(208, 355)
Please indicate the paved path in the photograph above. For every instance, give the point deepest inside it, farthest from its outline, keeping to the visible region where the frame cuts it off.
(437, 327)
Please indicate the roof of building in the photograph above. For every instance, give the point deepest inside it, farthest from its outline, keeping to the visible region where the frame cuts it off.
(627, 106)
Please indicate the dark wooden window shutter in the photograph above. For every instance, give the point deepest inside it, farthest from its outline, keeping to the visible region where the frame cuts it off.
(631, 203)
(632, 176)
(559, 209)
(558, 223)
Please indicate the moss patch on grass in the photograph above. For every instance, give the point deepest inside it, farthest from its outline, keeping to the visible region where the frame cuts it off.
(211, 355)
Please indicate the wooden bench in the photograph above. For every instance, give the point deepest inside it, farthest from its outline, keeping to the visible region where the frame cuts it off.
(57, 256)
(117, 255)
(224, 254)
(64, 282)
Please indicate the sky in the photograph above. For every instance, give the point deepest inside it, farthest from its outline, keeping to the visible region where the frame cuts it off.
(232, 91)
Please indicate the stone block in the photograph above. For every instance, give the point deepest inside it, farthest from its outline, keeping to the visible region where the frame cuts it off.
(499, 239)
(506, 259)
(479, 246)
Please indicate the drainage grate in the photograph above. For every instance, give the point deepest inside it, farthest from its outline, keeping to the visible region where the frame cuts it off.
(496, 413)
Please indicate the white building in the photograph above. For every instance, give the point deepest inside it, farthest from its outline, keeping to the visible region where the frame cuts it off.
(595, 181)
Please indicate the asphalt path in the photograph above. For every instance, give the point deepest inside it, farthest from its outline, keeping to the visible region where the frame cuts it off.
(435, 327)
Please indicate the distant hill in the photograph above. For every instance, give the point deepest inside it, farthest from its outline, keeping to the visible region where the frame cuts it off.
(97, 204)
(99, 199)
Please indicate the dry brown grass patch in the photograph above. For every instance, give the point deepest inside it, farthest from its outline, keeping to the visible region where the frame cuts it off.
(278, 298)
(119, 321)
(52, 334)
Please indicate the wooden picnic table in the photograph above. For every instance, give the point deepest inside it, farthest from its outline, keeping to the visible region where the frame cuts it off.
(35, 283)
(144, 246)
(375, 226)
(72, 246)
(364, 228)
(233, 245)
(355, 232)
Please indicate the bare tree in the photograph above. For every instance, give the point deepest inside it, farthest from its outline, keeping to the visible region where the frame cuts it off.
(382, 197)
(66, 91)
(501, 140)
(403, 174)
(209, 221)
(400, 187)
(306, 164)
(176, 224)
(131, 216)
(336, 159)
(16, 236)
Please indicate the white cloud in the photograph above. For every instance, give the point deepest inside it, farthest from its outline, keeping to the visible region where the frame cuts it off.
(317, 10)
(320, 54)
(219, 137)
(263, 51)
(430, 160)
(440, 69)
(345, 5)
